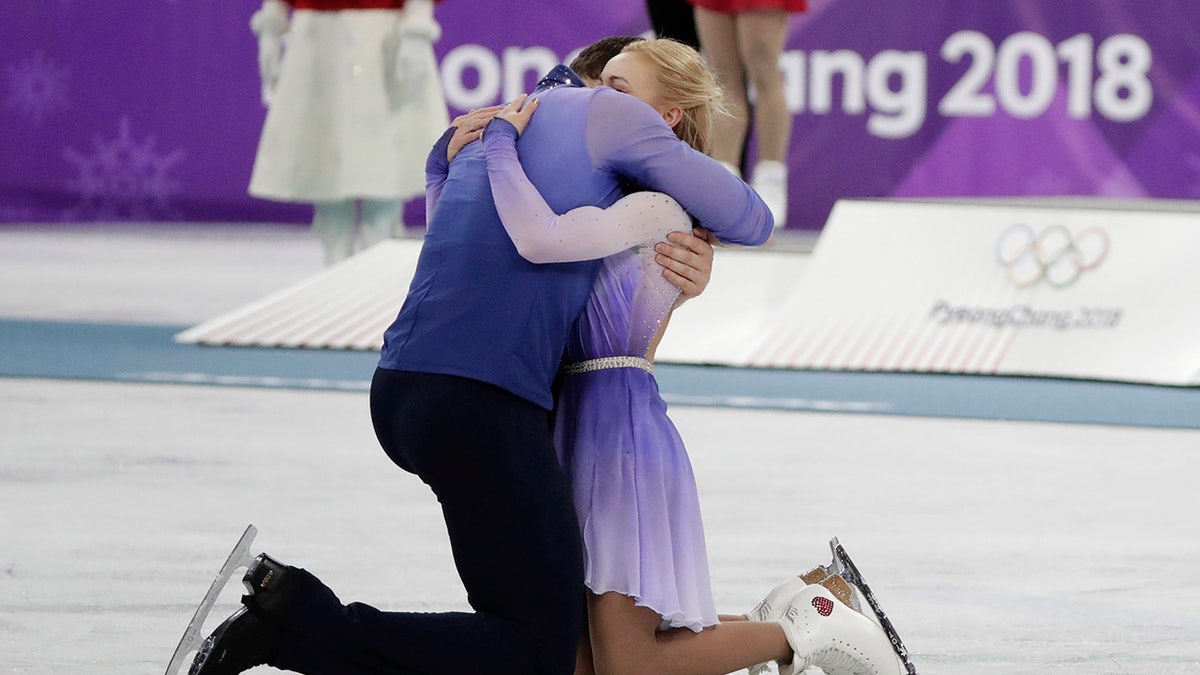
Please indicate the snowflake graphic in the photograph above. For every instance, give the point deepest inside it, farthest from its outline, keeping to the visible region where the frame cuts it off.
(37, 88)
(123, 178)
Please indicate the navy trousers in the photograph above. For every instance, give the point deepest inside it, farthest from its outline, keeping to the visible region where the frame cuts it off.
(489, 458)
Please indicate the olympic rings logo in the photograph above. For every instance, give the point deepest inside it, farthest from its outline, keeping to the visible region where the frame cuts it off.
(1054, 255)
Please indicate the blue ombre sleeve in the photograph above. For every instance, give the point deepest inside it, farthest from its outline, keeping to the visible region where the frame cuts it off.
(583, 233)
(628, 138)
(437, 167)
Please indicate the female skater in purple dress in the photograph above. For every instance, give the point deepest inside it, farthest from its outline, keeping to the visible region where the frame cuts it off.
(650, 602)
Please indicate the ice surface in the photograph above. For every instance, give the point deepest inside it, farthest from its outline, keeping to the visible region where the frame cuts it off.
(996, 547)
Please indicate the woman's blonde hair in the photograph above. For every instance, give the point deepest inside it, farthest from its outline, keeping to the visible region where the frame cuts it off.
(684, 79)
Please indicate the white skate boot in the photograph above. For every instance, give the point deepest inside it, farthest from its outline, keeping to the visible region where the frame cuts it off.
(771, 608)
(842, 580)
(770, 181)
(822, 631)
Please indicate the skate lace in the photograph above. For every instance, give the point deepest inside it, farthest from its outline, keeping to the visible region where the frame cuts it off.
(761, 612)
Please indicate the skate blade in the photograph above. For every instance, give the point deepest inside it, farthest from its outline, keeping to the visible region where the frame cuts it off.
(844, 566)
(238, 558)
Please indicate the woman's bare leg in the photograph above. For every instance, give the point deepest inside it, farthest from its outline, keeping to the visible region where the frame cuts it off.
(625, 640)
(719, 40)
(583, 653)
(761, 35)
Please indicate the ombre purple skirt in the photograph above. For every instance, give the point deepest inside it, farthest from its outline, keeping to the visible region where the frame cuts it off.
(635, 495)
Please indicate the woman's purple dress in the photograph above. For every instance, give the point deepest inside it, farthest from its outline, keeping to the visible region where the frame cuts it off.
(633, 486)
(630, 475)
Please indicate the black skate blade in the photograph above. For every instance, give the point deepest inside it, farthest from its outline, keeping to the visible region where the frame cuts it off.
(238, 558)
(844, 566)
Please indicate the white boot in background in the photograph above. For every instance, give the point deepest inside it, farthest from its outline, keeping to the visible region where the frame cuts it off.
(770, 181)
(380, 221)
(334, 224)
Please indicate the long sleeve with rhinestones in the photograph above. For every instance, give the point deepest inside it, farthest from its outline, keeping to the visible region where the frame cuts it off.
(583, 233)
(627, 138)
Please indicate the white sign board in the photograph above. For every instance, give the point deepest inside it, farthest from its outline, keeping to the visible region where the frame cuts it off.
(1000, 290)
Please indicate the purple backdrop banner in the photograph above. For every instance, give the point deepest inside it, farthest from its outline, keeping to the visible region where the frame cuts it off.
(150, 110)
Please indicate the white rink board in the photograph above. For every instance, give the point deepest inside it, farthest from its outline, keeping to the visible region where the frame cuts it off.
(349, 305)
(345, 306)
(890, 286)
(1002, 290)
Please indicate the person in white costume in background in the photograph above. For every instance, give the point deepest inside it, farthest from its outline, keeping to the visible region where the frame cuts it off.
(355, 103)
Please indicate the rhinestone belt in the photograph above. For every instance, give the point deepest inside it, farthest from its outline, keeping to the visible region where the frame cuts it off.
(606, 363)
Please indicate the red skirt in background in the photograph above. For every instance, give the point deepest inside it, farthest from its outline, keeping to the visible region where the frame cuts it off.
(735, 6)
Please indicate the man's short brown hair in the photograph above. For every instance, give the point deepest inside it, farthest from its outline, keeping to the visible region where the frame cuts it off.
(590, 62)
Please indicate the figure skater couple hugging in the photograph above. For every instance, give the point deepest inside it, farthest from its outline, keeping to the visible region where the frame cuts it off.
(560, 239)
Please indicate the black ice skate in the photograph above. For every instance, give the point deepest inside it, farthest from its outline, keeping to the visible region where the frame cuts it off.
(250, 636)
(241, 642)
(238, 558)
(843, 565)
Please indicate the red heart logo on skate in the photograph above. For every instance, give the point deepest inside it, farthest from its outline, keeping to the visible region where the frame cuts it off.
(824, 606)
